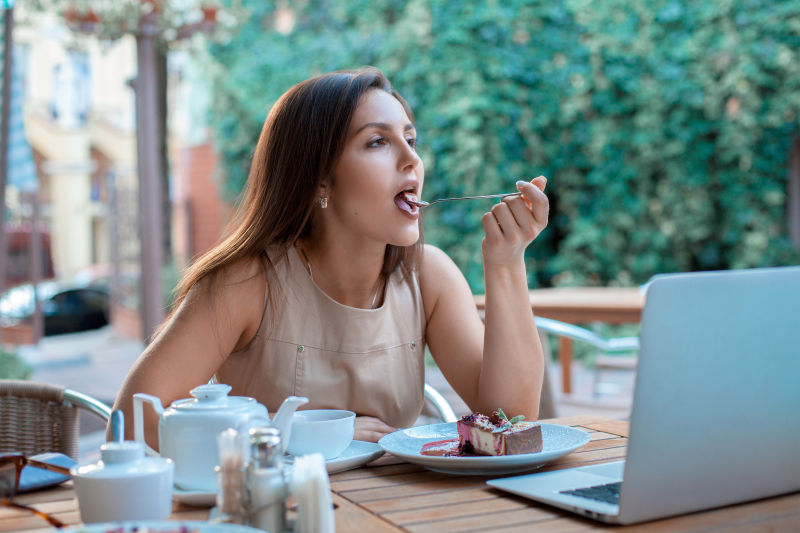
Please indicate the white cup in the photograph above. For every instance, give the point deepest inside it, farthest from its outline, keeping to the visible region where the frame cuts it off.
(325, 431)
(124, 485)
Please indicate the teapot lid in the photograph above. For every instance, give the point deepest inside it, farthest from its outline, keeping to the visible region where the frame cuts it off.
(213, 396)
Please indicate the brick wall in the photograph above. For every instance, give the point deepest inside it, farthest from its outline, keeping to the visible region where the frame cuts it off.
(200, 214)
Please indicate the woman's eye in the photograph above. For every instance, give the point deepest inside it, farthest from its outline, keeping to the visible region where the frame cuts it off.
(412, 142)
(376, 142)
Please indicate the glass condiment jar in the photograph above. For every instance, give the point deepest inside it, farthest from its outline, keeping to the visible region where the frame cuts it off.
(267, 488)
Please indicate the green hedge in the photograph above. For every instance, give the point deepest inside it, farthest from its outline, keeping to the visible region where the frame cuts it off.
(12, 366)
(663, 127)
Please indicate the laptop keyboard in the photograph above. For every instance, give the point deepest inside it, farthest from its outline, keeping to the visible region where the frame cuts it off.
(608, 493)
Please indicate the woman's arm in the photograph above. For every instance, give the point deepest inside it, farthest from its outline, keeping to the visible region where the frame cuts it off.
(215, 319)
(501, 364)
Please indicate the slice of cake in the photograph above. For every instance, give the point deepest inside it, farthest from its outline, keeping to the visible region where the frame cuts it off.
(497, 435)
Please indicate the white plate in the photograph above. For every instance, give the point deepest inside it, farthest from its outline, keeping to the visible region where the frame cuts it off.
(167, 526)
(194, 498)
(407, 443)
(358, 453)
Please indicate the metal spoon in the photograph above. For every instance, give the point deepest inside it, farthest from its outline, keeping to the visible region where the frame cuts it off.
(423, 203)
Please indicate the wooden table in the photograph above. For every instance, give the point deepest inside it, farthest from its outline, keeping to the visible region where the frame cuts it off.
(578, 305)
(390, 495)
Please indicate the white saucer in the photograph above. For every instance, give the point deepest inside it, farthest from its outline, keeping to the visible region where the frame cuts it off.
(358, 453)
(195, 498)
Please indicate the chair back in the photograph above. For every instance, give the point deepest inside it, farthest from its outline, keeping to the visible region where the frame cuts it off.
(34, 418)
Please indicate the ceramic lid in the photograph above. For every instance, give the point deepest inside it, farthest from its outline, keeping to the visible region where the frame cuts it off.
(213, 397)
(122, 459)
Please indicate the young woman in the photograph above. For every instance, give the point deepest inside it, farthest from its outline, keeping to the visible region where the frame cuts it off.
(324, 288)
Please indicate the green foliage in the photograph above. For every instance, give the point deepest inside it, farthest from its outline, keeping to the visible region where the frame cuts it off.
(12, 366)
(663, 126)
(170, 276)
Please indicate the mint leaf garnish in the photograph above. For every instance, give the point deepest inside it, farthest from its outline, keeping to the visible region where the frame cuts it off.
(513, 421)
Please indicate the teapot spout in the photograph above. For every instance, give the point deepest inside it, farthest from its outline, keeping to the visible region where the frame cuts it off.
(283, 418)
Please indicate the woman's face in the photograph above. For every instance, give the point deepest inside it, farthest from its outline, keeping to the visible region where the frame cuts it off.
(378, 164)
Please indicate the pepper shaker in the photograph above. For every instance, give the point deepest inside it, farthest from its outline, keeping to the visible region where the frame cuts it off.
(266, 483)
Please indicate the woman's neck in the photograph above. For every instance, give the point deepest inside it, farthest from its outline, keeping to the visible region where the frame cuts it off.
(351, 275)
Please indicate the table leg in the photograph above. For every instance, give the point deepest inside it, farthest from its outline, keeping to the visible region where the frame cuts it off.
(565, 360)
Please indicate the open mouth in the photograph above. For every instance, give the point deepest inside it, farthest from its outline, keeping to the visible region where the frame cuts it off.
(406, 200)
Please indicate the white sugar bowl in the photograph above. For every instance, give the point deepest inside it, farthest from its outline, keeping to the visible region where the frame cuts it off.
(124, 485)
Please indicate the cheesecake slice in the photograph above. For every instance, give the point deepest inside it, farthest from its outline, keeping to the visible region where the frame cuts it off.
(479, 434)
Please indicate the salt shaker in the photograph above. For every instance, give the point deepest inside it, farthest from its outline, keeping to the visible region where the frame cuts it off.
(266, 483)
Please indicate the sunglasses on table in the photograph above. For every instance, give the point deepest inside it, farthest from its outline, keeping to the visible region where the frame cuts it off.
(11, 466)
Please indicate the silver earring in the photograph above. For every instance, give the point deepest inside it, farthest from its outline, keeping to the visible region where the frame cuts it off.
(323, 202)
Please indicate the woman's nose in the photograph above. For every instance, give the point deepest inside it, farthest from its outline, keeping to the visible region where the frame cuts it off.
(409, 158)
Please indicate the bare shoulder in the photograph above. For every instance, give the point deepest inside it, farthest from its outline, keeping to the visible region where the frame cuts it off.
(239, 280)
(244, 274)
(233, 296)
(435, 262)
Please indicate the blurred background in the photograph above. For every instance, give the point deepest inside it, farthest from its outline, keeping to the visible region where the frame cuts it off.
(668, 131)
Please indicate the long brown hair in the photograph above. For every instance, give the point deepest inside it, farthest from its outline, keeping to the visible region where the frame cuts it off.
(301, 140)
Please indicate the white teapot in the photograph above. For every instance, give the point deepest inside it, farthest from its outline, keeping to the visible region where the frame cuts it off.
(188, 429)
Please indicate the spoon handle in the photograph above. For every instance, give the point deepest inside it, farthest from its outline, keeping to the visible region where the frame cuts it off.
(422, 203)
(503, 195)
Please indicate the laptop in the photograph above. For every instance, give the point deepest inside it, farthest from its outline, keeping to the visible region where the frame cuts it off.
(716, 405)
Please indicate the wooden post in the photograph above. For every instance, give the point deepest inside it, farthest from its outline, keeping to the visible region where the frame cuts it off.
(151, 212)
(794, 192)
(8, 48)
(565, 358)
(36, 269)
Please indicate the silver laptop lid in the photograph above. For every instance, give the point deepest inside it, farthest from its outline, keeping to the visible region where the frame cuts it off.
(716, 411)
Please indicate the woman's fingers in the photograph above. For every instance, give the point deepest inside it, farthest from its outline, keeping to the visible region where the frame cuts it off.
(529, 212)
(538, 202)
(491, 227)
(524, 217)
(371, 429)
(516, 221)
(505, 219)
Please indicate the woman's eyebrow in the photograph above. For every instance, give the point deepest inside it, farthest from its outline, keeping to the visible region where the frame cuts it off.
(383, 126)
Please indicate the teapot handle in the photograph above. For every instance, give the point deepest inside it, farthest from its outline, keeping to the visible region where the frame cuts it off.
(138, 418)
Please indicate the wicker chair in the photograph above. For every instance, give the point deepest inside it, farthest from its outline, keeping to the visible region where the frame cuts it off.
(39, 417)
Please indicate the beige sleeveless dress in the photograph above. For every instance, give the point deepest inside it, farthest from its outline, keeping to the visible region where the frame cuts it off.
(365, 360)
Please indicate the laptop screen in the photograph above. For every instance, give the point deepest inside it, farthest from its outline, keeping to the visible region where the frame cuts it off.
(716, 410)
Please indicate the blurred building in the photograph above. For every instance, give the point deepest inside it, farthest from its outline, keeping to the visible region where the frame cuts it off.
(80, 114)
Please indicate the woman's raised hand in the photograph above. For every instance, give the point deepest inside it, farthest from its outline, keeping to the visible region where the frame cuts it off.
(370, 429)
(515, 222)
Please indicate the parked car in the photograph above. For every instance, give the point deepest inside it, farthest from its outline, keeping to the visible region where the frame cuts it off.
(79, 304)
